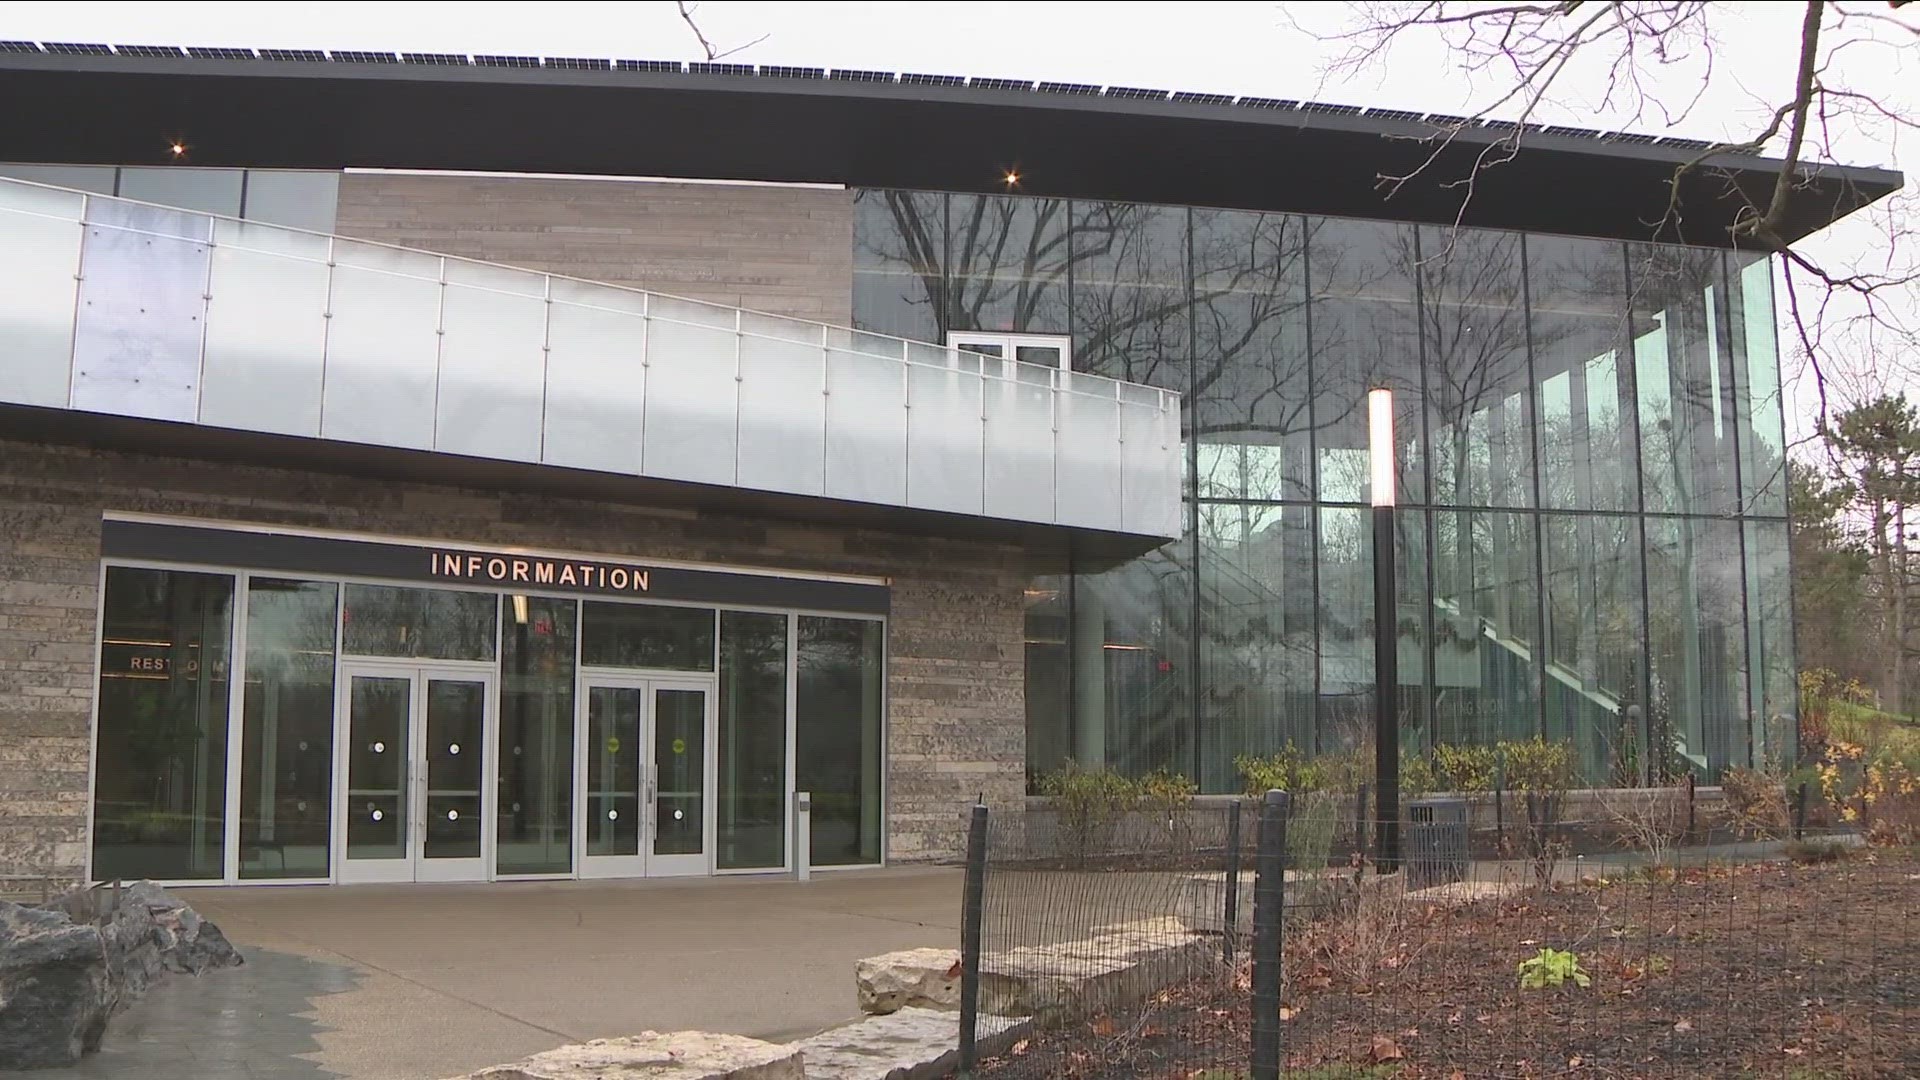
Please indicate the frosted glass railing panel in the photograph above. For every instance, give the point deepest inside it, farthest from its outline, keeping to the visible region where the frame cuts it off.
(1143, 494)
(945, 438)
(137, 335)
(1087, 461)
(492, 361)
(692, 407)
(142, 311)
(866, 428)
(596, 378)
(694, 312)
(39, 265)
(783, 414)
(1019, 462)
(266, 329)
(383, 346)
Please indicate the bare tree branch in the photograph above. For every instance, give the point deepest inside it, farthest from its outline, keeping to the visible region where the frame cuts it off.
(713, 52)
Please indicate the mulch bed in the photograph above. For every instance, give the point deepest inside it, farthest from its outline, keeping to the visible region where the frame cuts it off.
(1805, 972)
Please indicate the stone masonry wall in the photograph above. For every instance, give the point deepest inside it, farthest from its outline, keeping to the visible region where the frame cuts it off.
(785, 250)
(956, 652)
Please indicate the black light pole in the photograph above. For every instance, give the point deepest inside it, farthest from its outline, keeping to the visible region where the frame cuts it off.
(1386, 634)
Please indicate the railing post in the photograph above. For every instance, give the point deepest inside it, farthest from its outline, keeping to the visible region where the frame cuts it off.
(1230, 912)
(1269, 896)
(972, 900)
(1800, 812)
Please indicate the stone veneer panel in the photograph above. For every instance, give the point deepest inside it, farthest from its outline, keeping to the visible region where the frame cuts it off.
(785, 250)
(956, 652)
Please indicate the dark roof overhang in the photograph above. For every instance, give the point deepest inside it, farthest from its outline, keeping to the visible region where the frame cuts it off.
(311, 110)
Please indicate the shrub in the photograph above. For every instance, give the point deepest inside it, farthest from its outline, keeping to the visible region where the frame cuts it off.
(1757, 800)
(1465, 769)
(1089, 804)
(1310, 829)
(1169, 797)
(1542, 772)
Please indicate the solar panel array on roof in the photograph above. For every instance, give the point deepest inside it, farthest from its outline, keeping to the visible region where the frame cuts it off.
(218, 52)
(847, 75)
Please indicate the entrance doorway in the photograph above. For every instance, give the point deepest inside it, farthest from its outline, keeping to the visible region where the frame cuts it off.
(646, 774)
(414, 760)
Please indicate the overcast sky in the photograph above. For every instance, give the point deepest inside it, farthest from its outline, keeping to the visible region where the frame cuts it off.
(1233, 48)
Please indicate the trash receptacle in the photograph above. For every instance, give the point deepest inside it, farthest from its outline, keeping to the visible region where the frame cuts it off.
(1436, 842)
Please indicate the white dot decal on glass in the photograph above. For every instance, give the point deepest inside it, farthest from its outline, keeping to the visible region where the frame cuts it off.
(453, 815)
(303, 744)
(378, 815)
(453, 748)
(301, 806)
(679, 814)
(379, 748)
(613, 815)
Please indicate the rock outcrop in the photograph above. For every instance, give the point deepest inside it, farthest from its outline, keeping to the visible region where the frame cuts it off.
(924, 978)
(652, 1055)
(68, 966)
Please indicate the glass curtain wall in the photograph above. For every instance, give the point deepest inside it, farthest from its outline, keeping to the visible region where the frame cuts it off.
(1589, 442)
(534, 809)
(286, 761)
(839, 694)
(752, 805)
(160, 754)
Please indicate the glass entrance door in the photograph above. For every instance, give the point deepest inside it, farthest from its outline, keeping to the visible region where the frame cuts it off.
(414, 757)
(645, 773)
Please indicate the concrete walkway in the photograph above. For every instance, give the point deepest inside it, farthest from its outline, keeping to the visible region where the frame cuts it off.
(428, 981)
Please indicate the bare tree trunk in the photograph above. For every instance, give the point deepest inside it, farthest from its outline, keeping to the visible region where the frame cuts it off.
(1896, 701)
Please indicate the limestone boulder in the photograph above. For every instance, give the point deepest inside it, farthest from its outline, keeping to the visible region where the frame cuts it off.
(55, 994)
(652, 1055)
(921, 978)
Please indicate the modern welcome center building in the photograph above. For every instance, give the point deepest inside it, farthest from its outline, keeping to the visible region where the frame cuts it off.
(430, 467)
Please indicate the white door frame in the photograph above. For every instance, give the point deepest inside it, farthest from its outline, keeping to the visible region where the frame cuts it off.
(413, 865)
(645, 863)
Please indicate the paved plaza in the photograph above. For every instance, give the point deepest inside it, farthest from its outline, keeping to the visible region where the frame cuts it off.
(425, 981)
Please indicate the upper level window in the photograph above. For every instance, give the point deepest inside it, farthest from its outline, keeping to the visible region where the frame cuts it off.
(1047, 350)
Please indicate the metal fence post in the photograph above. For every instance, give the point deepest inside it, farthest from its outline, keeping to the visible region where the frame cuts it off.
(1269, 894)
(1231, 911)
(1360, 822)
(972, 900)
(1800, 812)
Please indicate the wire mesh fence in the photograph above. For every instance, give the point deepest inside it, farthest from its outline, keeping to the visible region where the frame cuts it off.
(1645, 937)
